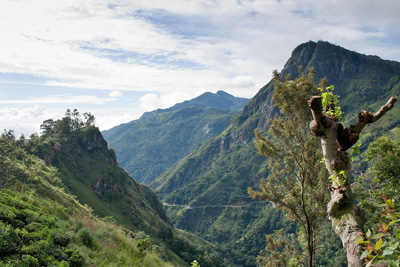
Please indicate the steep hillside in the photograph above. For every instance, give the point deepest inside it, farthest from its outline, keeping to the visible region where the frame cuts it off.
(221, 169)
(152, 144)
(90, 171)
(42, 225)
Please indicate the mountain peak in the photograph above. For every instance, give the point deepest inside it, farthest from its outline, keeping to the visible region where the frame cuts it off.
(223, 93)
(221, 99)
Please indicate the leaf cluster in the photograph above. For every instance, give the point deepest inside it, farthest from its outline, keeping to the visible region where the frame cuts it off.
(382, 178)
(330, 103)
(385, 154)
(382, 244)
(282, 250)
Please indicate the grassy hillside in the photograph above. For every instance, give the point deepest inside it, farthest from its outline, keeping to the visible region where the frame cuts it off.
(221, 169)
(42, 225)
(73, 155)
(152, 144)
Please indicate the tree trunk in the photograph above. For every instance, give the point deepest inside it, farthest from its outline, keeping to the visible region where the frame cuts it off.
(346, 217)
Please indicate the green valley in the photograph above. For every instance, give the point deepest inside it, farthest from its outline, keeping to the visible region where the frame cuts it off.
(150, 145)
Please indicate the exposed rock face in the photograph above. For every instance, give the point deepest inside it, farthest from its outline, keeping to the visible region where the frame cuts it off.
(101, 187)
(93, 141)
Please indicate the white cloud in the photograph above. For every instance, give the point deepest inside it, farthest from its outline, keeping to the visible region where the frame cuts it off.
(64, 99)
(153, 101)
(26, 120)
(115, 94)
(78, 43)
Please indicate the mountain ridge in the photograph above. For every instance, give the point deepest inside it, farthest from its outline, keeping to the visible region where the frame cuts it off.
(221, 169)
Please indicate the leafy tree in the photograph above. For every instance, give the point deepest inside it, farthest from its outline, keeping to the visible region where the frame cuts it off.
(381, 179)
(89, 119)
(297, 183)
(347, 218)
(385, 154)
(48, 127)
(71, 122)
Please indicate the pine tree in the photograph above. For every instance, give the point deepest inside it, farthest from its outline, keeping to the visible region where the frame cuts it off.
(297, 183)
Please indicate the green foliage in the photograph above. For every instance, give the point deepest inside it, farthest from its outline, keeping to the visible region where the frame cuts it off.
(338, 179)
(33, 235)
(282, 250)
(9, 239)
(353, 151)
(382, 178)
(86, 237)
(297, 183)
(71, 122)
(194, 264)
(30, 234)
(382, 244)
(331, 252)
(330, 103)
(143, 245)
(385, 155)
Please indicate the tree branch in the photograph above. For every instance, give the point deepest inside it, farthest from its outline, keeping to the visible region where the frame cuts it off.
(366, 117)
(348, 137)
(320, 122)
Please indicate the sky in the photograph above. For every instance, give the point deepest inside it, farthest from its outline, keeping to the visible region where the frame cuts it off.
(119, 58)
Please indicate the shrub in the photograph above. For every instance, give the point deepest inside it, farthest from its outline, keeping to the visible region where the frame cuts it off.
(74, 258)
(9, 239)
(86, 237)
(61, 236)
(143, 245)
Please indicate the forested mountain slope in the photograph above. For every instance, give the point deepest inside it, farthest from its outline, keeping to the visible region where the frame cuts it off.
(150, 145)
(79, 163)
(222, 168)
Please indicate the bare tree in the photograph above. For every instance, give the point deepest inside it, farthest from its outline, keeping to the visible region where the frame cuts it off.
(346, 217)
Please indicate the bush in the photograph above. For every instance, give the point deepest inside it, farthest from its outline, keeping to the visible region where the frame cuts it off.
(61, 236)
(9, 239)
(86, 237)
(143, 245)
(74, 258)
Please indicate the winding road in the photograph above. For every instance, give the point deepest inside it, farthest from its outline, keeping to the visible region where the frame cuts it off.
(188, 207)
